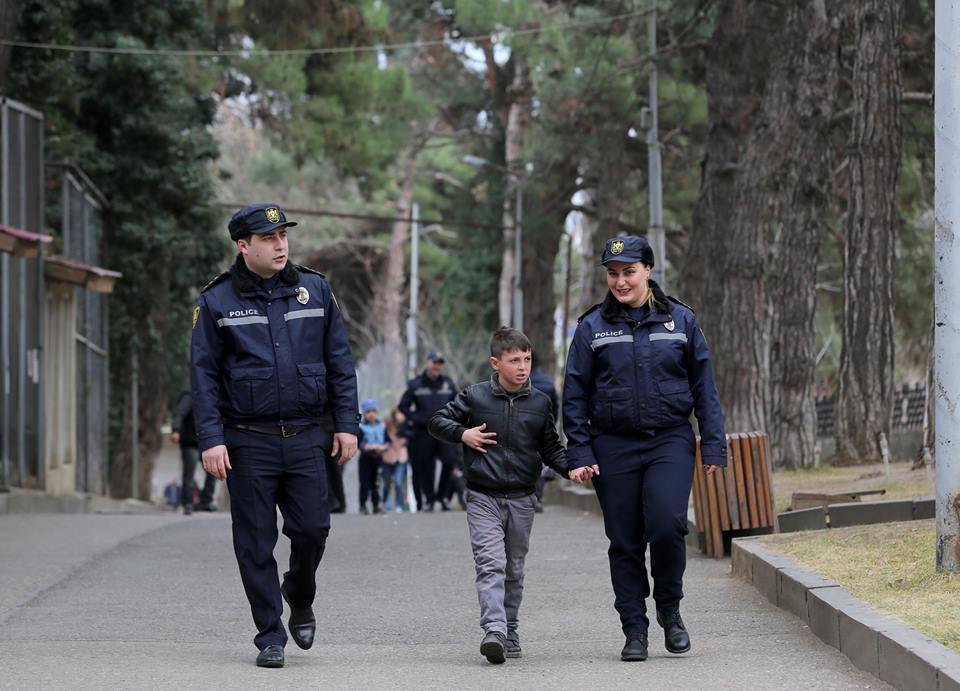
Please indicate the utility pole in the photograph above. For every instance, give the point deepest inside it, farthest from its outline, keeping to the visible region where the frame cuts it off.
(654, 185)
(946, 119)
(135, 425)
(412, 360)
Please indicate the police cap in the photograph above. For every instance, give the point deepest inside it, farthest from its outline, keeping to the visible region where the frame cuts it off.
(629, 249)
(257, 219)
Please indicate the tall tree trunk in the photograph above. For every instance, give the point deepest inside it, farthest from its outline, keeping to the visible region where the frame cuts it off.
(734, 88)
(9, 14)
(519, 118)
(865, 392)
(740, 335)
(390, 291)
(802, 90)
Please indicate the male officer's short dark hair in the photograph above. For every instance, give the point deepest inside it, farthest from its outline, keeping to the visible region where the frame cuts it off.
(629, 249)
(505, 339)
(257, 219)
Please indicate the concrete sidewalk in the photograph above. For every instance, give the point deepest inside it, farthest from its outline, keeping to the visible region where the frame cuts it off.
(156, 602)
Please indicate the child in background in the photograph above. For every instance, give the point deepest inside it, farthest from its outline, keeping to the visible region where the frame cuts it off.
(394, 468)
(373, 442)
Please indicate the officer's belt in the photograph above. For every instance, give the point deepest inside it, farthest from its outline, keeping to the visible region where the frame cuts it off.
(275, 430)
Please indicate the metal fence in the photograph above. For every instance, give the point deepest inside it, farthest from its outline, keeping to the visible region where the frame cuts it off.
(907, 416)
(21, 295)
(81, 239)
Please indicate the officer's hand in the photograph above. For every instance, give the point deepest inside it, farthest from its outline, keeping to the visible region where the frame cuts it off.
(345, 444)
(175, 437)
(475, 438)
(711, 469)
(216, 461)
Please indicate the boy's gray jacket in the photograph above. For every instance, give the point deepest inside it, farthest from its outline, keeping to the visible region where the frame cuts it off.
(526, 435)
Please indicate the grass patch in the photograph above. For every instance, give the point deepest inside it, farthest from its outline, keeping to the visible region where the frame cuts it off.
(902, 483)
(890, 566)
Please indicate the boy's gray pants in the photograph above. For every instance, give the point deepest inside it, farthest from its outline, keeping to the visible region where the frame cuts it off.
(499, 537)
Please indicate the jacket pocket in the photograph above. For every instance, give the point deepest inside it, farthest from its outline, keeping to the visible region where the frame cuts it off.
(312, 388)
(252, 391)
(611, 410)
(676, 401)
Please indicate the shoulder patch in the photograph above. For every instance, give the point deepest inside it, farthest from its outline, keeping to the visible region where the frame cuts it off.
(215, 281)
(308, 270)
(583, 316)
(681, 303)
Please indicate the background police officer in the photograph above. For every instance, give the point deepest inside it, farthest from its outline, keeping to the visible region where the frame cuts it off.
(425, 395)
(637, 367)
(269, 357)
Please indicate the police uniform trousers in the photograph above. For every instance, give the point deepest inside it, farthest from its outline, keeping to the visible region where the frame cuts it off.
(268, 472)
(424, 450)
(644, 489)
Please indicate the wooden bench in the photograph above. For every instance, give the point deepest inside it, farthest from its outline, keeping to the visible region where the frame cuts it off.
(738, 497)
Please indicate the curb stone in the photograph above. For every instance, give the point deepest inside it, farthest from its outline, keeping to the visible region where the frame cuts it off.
(885, 647)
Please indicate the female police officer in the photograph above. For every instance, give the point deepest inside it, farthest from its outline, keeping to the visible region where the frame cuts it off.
(637, 367)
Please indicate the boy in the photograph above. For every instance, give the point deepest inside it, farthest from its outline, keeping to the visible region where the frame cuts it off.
(374, 441)
(508, 430)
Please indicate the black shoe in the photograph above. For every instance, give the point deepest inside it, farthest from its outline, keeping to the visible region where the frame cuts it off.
(187, 509)
(208, 507)
(377, 509)
(301, 624)
(635, 649)
(444, 505)
(493, 647)
(364, 510)
(675, 636)
(428, 508)
(271, 656)
(513, 643)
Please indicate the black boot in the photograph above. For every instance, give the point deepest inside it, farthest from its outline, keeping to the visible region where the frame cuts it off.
(635, 649)
(675, 636)
(301, 624)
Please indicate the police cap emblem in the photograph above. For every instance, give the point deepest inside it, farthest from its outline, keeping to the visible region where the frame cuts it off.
(303, 295)
(273, 214)
(616, 247)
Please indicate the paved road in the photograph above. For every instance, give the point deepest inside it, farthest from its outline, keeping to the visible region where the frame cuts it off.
(156, 602)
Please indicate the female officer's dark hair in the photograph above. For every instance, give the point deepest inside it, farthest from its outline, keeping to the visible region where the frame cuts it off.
(505, 339)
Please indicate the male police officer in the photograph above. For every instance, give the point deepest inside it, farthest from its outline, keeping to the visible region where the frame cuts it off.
(269, 358)
(425, 395)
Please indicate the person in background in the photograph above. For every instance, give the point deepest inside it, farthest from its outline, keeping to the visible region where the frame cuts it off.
(544, 382)
(373, 442)
(394, 468)
(426, 394)
(185, 435)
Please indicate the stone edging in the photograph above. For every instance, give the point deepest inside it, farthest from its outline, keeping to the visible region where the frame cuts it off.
(889, 649)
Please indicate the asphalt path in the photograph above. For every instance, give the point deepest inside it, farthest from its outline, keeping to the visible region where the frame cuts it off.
(132, 601)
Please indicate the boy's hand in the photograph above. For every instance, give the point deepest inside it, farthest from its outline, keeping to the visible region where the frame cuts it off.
(581, 475)
(476, 438)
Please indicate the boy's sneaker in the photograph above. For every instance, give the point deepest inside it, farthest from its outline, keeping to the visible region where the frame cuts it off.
(513, 643)
(493, 647)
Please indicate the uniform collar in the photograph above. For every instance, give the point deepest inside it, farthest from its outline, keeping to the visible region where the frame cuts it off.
(246, 282)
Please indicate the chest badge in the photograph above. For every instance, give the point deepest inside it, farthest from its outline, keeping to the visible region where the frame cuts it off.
(669, 326)
(303, 295)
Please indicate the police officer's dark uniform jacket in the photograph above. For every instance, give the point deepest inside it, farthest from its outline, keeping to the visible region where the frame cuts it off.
(280, 357)
(526, 436)
(636, 377)
(425, 396)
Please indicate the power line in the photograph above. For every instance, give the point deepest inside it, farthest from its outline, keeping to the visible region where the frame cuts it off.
(371, 217)
(288, 52)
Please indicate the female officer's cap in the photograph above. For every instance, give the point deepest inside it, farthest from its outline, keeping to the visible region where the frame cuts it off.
(258, 219)
(629, 249)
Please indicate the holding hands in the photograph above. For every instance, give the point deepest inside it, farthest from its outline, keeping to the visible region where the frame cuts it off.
(476, 438)
(581, 475)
